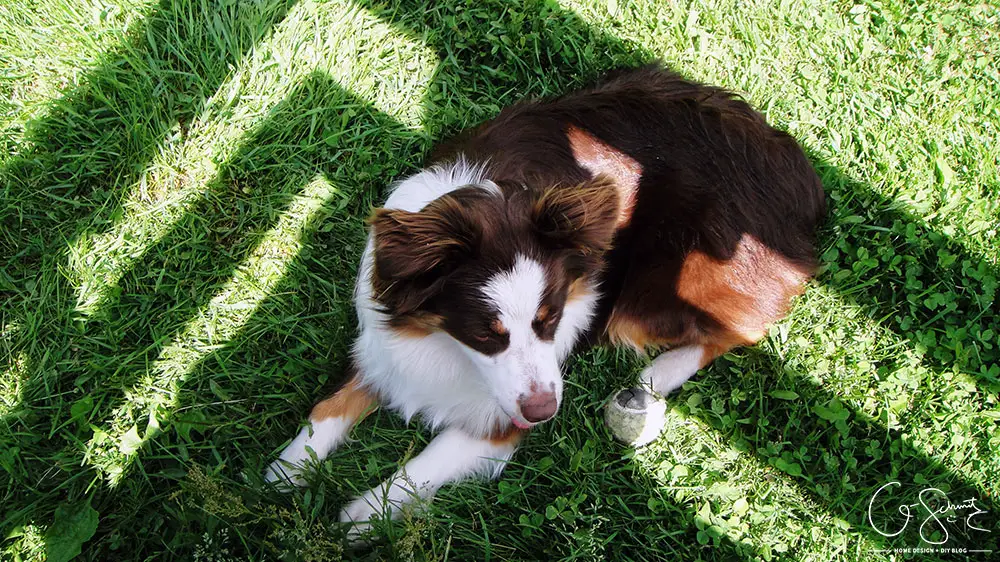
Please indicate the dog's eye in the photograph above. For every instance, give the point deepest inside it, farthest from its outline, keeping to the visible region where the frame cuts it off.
(482, 338)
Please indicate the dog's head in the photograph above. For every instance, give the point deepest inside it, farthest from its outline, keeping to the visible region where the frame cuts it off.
(493, 267)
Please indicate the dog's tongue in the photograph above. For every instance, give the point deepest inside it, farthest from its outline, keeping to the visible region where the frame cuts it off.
(520, 424)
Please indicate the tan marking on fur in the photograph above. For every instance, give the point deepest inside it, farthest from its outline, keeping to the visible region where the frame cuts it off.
(350, 402)
(578, 289)
(745, 293)
(417, 325)
(509, 435)
(711, 351)
(498, 327)
(543, 313)
(625, 331)
(599, 158)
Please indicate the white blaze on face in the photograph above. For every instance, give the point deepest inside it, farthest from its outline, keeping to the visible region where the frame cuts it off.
(529, 364)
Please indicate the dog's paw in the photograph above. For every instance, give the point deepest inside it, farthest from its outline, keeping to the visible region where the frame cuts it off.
(671, 369)
(314, 442)
(288, 471)
(373, 504)
(359, 514)
(286, 475)
(387, 501)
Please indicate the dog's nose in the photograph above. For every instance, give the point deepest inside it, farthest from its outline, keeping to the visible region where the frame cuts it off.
(538, 407)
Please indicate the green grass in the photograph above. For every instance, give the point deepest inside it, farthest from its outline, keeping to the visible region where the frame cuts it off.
(182, 195)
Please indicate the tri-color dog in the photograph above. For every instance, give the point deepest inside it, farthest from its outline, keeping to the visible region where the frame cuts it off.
(648, 211)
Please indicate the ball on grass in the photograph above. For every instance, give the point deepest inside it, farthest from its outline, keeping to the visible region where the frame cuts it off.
(635, 417)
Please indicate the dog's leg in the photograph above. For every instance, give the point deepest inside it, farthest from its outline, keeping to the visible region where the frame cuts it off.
(330, 422)
(673, 368)
(451, 456)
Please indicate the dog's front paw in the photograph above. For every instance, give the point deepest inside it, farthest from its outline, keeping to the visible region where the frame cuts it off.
(286, 474)
(359, 513)
(288, 471)
(386, 501)
(314, 442)
(374, 504)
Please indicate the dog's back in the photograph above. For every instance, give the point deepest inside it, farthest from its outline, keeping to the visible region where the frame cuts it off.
(722, 208)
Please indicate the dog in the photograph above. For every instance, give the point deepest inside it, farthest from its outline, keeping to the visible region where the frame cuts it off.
(647, 211)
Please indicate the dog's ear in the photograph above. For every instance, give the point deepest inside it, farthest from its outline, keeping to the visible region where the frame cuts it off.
(583, 218)
(414, 244)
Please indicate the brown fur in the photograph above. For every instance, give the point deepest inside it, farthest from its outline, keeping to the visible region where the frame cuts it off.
(713, 350)
(745, 293)
(509, 434)
(350, 402)
(577, 289)
(631, 332)
(544, 314)
(429, 264)
(409, 245)
(717, 209)
(742, 295)
(580, 217)
(416, 325)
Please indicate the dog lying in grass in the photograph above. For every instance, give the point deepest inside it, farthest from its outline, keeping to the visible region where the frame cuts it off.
(646, 211)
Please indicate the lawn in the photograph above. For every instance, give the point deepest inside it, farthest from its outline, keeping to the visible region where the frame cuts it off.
(183, 187)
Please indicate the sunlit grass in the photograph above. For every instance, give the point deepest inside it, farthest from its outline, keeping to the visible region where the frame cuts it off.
(11, 381)
(735, 494)
(187, 161)
(48, 46)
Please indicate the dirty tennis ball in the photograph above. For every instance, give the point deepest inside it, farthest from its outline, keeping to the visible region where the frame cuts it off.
(635, 416)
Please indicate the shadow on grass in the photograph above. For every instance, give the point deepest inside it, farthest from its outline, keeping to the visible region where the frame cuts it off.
(170, 286)
(291, 338)
(96, 141)
(90, 146)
